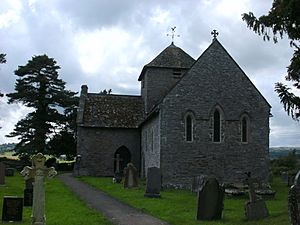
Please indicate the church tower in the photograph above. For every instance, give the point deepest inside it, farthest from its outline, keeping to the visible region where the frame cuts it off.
(162, 73)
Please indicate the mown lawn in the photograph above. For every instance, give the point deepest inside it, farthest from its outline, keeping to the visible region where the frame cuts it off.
(62, 207)
(179, 207)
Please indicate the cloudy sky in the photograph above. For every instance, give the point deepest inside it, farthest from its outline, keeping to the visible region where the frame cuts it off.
(105, 43)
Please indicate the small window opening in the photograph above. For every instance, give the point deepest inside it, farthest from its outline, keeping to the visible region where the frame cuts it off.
(217, 126)
(189, 128)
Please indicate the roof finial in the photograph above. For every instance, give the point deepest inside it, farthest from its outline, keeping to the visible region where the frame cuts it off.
(173, 34)
(214, 33)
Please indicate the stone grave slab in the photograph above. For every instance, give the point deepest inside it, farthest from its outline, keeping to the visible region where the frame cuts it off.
(2, 173)
(12, 208)
(130, 176)
(210, 200)
(153, 183)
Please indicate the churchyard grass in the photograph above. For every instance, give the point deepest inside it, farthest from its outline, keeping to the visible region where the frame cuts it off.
(178, 207)
(62, 207)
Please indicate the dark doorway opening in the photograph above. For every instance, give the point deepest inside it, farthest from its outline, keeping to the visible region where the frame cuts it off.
(124, 158)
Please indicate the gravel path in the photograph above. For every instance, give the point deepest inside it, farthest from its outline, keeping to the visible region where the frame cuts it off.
(115, 211)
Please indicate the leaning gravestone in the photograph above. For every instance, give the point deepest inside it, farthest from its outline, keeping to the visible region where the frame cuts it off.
(2, 173)
(130, 176)
(255, 208)
(294, 201)
(153, 182)
(12, 208)
(38, 171)
(210, 200)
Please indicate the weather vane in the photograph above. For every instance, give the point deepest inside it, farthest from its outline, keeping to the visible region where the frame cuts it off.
(214, 33)
(173, 34)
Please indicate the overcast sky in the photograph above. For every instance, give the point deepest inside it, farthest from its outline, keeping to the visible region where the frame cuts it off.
(106, 43)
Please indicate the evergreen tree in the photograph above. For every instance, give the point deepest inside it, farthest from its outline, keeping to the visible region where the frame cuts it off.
(282, 19)
(39, 87)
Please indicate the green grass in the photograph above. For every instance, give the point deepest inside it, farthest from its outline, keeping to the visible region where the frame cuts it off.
(62, 207)
(179, 207)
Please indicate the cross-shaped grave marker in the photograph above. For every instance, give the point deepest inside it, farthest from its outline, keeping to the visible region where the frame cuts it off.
(38, 171)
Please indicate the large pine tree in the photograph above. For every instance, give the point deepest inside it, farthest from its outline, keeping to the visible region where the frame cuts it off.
(282, 19)
(2, 60)
(39, 87)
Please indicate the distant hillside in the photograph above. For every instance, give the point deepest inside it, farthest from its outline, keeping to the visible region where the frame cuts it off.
(277, 152)
(7, 147)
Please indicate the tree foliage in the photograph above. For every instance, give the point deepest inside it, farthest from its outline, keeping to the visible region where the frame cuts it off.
(39, 87)
(282, 19)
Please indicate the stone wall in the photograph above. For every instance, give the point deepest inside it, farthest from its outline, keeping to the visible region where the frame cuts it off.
(97, 147)
(150, 143)
(157, 83)
(214, 81)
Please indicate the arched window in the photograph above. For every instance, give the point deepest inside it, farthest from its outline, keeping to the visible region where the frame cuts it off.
(244, 129)
(217, 126)
(189, 128)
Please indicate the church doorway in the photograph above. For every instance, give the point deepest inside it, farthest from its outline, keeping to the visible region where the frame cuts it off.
(122, 158)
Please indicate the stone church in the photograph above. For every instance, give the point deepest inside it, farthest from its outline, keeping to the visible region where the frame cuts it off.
(193, 117)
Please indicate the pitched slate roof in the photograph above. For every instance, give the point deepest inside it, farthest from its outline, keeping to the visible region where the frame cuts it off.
(170, 57)
(113, 111)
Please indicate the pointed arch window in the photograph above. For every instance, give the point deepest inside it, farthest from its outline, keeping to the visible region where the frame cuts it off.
(244, 129)
(189, 123)
(217, 126)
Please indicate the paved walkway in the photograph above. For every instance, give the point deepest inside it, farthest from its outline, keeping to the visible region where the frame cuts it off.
(115, 211)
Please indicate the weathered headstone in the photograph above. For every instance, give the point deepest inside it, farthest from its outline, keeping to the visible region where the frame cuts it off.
(294, 201)
(12, 208)
(28, 197)
(9, 172)
(153, 182)
(255, 208)
(38, 171)
(118, 174)
(2, 173)
(130, 176)
(28, 192)
(210, 200)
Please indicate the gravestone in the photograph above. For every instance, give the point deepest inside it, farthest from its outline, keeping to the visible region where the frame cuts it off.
(118, 174)
(9, 172)
(210, 200)
(38, 171)
(2, 173)
(294, 201)
(12, 208)
(28, 197)
(255, 208)
(153, 182)
(28, 192)
(198, 182)
(130, 176)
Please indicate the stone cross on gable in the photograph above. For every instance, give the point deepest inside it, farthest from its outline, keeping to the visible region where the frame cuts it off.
(214, 33)
(118, 160)
(173, 34)
(38, 171)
